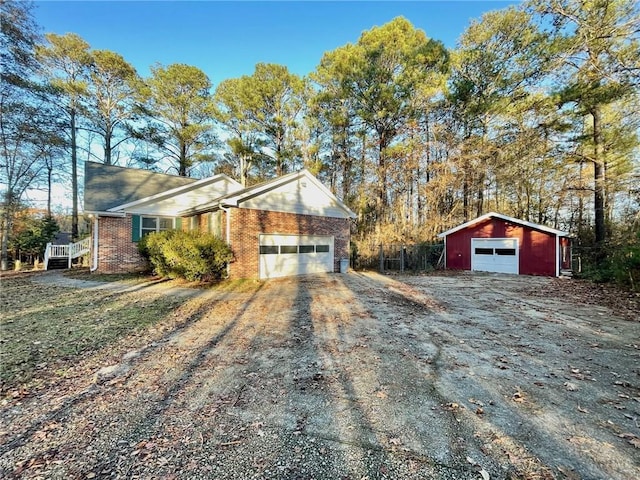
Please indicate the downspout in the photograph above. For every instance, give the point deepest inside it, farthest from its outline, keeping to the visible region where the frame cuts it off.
(94, 267)
(444, 252)
(227, 211)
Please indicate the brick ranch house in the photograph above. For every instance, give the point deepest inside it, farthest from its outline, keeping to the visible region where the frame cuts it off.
(287, 226)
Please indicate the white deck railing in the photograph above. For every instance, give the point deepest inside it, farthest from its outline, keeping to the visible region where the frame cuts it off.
(71, 251)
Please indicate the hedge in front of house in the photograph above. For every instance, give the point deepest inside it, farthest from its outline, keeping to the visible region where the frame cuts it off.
(189, 255)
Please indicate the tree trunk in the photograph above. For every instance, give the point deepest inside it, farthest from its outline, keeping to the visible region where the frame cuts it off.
(182, 167)
(480, 204)
(6, 228)
(347, 164)
(382, 176)
(244, 170)
(465, 192)
(74, 177)
(107, 147)
(599, 182)
(49, 183)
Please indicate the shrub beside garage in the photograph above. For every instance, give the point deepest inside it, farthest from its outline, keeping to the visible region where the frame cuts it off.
(191, 255)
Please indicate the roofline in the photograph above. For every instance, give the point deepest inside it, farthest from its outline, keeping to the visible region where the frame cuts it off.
(506, 218)
(99, 213)
(173, 191)
(233, 199)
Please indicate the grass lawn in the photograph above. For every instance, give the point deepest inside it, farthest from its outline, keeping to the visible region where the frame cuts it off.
(48, 327)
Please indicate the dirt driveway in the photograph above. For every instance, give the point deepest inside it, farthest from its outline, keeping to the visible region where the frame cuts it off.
(356, 376)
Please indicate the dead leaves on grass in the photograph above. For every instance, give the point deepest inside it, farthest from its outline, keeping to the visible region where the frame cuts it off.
(631, 439)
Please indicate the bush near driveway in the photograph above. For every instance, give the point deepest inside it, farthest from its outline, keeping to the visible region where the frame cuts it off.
(190, 255)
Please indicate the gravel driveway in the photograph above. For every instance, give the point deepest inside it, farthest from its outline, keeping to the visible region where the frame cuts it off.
(356, 376)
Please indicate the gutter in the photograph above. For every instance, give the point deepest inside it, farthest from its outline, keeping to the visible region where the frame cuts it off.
(94, 267)
(227, 211)
(105, 213)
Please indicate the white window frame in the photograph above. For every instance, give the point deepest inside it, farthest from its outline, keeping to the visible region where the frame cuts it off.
(147, 230)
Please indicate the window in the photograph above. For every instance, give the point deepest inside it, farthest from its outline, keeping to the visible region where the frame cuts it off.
(306, 249)
(268, 249)
(155, 224)
(288, 249)
(194, 223)
(215, 223)
(322, 248)
(505, 251)
(484, 251)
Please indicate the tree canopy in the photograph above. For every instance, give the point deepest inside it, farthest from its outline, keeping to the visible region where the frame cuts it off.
(534, 114)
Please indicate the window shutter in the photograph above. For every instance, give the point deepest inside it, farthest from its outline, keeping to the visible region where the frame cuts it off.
(135, 228)
(178, 223)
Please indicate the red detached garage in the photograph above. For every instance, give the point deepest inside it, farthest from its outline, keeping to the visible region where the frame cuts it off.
(503, 244)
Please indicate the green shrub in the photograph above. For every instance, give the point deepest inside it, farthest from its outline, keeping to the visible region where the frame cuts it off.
(620, 263)
(190, 255)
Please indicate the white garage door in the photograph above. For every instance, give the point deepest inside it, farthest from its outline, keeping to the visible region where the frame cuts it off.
(286, 255)
(494, 255)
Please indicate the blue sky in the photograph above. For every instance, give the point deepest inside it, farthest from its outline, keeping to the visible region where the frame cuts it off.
(227, 39)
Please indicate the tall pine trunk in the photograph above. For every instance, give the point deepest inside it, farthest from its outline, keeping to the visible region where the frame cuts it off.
(74, 176)
(599, 168)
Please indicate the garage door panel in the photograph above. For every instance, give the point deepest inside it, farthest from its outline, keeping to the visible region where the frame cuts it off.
(287, 255)
(498, 255)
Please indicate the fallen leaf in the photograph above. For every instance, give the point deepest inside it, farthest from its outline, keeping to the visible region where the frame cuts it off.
(381, 394)
(518, 397)
(571, 387)
(583, 410)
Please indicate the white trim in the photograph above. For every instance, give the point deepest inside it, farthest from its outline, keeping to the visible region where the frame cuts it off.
(105, 214)
(445, 253)
(175, 191)
(506, 218)
(157, 217)
(557, 256)
(234, 199)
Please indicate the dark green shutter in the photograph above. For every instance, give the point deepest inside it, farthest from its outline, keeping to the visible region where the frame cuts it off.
(135, 228)
(178, 223)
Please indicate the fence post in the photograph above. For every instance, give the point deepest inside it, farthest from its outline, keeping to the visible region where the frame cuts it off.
(402, 258)
(381, 259)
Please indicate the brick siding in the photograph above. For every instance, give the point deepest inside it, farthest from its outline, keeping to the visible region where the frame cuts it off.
(248, 224)
(116, 252)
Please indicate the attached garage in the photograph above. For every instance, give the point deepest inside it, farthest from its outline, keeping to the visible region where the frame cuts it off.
(502, 244)
(286, 255)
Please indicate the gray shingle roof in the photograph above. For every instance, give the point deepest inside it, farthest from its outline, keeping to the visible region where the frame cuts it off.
(107, 186)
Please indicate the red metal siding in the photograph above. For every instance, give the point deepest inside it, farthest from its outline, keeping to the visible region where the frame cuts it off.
(537, 249)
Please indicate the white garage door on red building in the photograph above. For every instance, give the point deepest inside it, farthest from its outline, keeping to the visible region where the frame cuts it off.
(285, 255)
(498, 255)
